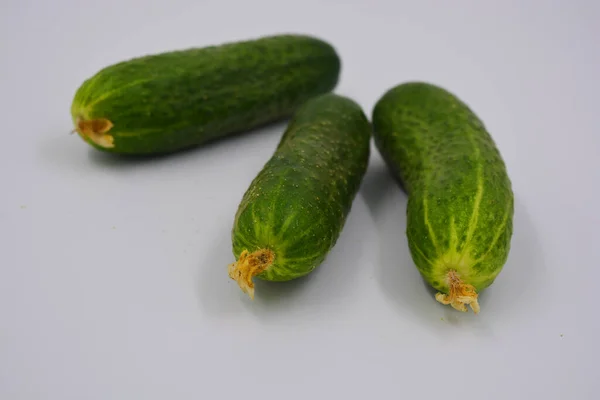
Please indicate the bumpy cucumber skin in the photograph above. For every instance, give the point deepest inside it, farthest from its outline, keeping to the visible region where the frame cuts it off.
(298, 203)
(460, 201)
(166, 102)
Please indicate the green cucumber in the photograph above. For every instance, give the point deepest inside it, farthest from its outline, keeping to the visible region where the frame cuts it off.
(170, 101)
(295, 208)
(460, 199)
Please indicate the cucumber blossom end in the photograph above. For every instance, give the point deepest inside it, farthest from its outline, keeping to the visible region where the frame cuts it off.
(248, 266)
(459, 295)
(96, 131)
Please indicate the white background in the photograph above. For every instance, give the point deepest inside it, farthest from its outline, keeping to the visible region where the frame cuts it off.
(113, 281)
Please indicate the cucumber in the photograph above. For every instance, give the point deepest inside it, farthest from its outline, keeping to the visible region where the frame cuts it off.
(460, 199)
(295, 208)
(170, 101)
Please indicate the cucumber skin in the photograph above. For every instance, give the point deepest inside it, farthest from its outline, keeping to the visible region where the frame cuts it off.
(449, 165)
(171, 101)
(298, 203)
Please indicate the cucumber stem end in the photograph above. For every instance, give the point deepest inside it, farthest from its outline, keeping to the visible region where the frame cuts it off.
(248, 266)
(461, 294)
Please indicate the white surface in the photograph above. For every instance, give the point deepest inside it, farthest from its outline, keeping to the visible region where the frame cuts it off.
(113, 277)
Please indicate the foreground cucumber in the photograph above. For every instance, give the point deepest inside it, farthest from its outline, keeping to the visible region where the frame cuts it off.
(295, 208)
(170, 101)
(460, 204)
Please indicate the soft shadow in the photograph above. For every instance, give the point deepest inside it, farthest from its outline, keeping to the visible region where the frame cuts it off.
(219, 295)
(332, 284)
(105, 159)
(524, 269)
(66, 151)
(396, 273)
(278, 296)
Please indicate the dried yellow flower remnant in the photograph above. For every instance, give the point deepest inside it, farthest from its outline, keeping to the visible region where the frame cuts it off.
(461, 294)
(96, 130)
(248, 266)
